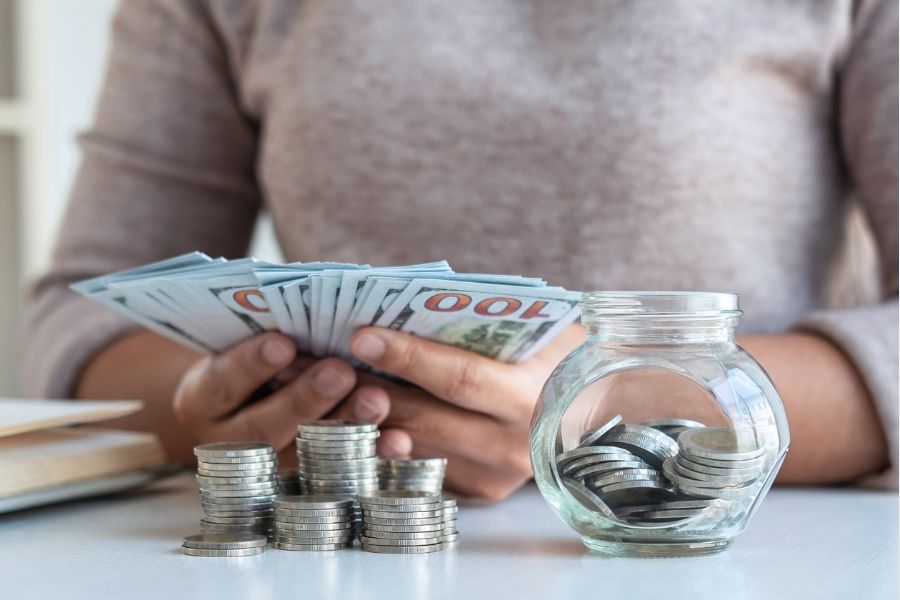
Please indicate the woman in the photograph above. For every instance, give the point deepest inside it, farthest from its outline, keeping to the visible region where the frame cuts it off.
(700, 145)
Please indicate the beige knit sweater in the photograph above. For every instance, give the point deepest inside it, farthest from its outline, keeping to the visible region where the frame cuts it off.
(602, 145)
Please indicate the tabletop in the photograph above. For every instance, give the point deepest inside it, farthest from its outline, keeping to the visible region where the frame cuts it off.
(802, 543)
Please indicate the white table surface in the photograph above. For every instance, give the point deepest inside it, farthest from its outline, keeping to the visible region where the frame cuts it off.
(803, 543)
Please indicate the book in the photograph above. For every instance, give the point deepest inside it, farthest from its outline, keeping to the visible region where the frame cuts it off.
(47, 454)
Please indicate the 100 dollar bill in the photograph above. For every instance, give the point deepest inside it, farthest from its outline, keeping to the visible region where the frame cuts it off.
(507, 323)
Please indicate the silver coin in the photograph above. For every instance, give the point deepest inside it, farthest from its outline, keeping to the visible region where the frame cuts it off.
(225, 541)
(425, 514)
(672, 423)
(623, 475)
(348, 459)
(683, 505)
(755, 463)
(350, 483)
(336, 477)
(316, 541)
(322, 446)
(591, 437)
(236, 520)
(606, 467)
(256, 466)
(337, 426)
(400, 498)
(282, 525)
(233, 449)
(373, 528)
(572, 466)
(313, 501)
(671, 514)
(314, 513)
(310, 547)
(339, 437)
(400, 509)
(372, 541)
(367, 464)
(237, 493)
(724, 493)
(401, 535)
(238, 460)
(451, 537)
(718, 443)
(314, 534)
(215, 514)
(625, 511)
(449, 503)
(588, 498)
(651, 445)
(737, 469)
(402, 549)
(566, 457)
(216, 481)
(401, 521)
(718, 480)
(222, 553)
(636, 492)
(281, 518)
(227, 497)
(232, 474)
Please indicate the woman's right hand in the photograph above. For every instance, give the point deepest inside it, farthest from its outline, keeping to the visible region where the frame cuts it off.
(209, 398)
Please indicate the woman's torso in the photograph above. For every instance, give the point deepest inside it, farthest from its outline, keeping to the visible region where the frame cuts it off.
(601, 145)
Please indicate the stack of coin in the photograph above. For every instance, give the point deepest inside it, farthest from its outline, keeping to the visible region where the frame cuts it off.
(313, 522)
(402, 522)
(423, 474)
(448, 505)
(224, 544)
(618, 465)
(237, 483)
(713, 463)
(289, 483)
(660, 471)
(337, 457)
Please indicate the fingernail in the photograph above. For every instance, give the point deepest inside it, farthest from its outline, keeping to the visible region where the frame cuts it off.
(331, 382)
(368, 347)
(366, 409)
(397, 446)
(276, 352)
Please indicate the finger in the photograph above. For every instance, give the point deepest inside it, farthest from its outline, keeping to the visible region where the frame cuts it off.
(394, 443)
(463, 378)
(470, 435)
(218, 385)
(471, 478)
(309, 397)
(368, 403)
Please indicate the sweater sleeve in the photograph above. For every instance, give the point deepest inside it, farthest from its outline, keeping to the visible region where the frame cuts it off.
(868, 132)
(167, 167)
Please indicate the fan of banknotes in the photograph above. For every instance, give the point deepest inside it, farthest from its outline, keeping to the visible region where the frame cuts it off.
(211, 304)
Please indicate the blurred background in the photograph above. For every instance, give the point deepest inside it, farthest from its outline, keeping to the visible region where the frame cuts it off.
(52, 59)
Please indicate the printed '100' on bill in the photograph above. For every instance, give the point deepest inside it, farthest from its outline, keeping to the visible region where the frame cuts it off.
(506, 323)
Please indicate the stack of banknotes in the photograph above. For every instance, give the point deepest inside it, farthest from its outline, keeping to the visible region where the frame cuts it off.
(210, 304)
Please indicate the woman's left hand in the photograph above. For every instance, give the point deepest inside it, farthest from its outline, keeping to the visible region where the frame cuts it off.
(473, 410)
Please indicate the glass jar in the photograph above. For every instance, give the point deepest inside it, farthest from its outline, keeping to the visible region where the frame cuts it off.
(659, 436)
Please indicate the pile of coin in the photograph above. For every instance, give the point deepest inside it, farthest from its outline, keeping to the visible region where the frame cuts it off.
(450, 510)
(423, 474)
(337, 457)
(713, 463)
(659, 471)
(402, 522)
(224, 544)
(313, 522)
(237, 484)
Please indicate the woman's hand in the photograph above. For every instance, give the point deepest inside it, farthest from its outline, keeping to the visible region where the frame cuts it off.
(209, 398)
(473, 410)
